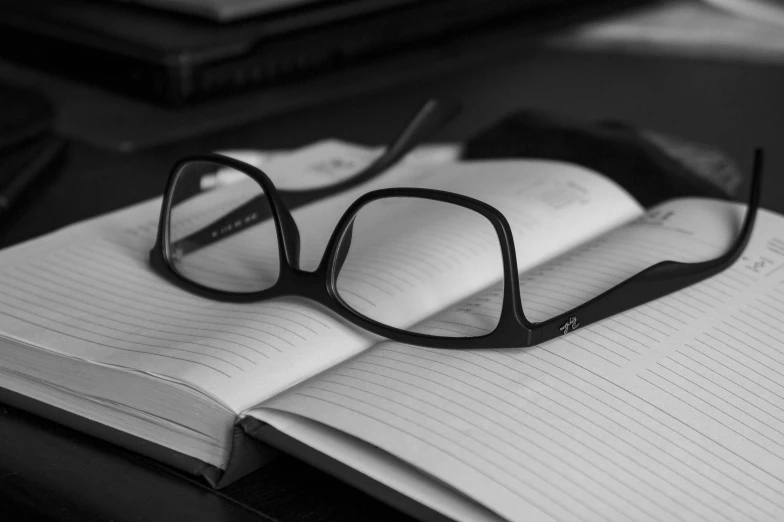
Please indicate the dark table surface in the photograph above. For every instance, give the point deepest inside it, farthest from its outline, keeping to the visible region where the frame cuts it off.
(51, 472)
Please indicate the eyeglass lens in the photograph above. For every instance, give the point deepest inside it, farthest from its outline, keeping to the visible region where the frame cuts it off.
(238, 253)
(408, 256)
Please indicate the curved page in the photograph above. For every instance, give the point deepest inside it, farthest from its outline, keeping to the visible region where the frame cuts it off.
(670, 411)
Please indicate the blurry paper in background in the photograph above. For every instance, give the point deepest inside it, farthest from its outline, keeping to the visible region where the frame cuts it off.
(685, 28)
(222, 9)
(767, 10)
(231, 10)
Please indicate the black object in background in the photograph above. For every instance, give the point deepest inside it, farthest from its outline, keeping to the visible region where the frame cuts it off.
(24, 115)
(29, 147)
(175, 59)
(651, 166)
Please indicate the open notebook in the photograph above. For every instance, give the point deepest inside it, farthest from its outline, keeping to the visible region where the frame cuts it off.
(671, 411)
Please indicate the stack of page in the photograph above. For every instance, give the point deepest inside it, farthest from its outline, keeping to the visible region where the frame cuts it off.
(673, 410)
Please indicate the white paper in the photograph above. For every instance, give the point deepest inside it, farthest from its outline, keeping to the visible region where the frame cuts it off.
(670, 411)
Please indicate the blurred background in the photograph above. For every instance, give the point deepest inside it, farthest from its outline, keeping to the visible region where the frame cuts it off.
(99, 97)
(127, 75)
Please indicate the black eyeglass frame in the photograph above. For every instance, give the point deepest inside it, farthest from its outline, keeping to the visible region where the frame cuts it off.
(513, 330)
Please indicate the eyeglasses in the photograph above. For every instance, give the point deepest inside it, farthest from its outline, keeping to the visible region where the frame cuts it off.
(240, 243)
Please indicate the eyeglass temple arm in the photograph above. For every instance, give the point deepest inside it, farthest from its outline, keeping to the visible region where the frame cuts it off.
(434, 114)
(654, 282)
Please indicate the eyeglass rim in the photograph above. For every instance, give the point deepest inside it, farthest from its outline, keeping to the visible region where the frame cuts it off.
(513, 328)
(321, 287)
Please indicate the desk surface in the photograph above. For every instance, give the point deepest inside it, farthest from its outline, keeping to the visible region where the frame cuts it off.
(56, 473)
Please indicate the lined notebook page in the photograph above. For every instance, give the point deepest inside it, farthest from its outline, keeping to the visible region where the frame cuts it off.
(390, 471)
(671, 411)
(89, 293)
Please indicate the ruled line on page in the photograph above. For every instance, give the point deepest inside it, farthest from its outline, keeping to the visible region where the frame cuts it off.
(557, 361)
(138, 277)
(143, 300)
(635, 449)
(583, 402)
(132, 335)
(129, 292)
(651, 485)
(684, 395)
(549, 410)
(607, 474)
(735, 375)
(89, 327)
(705, 383)
(552, 490)
(123, 302)
(456, 456)
(92, 341)
(104, 297)
(73, 304)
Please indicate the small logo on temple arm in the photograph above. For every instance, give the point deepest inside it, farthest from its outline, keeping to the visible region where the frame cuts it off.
(235, 225)
(570, 323)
